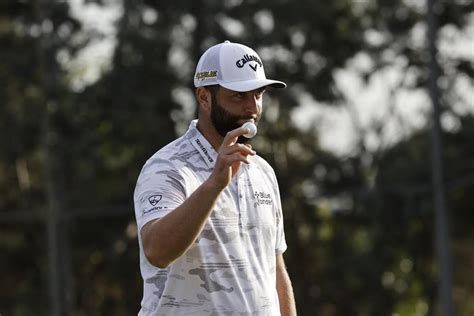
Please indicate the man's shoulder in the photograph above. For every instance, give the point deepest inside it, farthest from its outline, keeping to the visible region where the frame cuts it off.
(262, 163)
(171, 154)
(171, 149)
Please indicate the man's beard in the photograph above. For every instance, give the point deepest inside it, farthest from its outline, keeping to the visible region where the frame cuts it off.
(224, 121)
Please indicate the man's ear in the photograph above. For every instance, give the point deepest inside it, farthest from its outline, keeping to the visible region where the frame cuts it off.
(204, 98)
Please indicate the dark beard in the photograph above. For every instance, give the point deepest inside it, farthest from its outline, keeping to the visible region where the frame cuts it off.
(224, 121)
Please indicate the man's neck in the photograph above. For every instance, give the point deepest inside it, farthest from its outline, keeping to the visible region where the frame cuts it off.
(210, 133)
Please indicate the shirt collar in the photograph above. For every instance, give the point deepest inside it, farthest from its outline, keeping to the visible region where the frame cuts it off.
(200, 143)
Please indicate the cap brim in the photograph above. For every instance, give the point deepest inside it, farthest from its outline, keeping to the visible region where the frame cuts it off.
(249, 85)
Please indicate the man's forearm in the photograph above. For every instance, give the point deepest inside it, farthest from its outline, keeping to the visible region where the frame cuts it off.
(284, 289)
(166, 239)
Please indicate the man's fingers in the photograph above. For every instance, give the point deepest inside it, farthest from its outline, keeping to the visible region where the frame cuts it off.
(236, 157)
(236, 152)
(232, 136)
(237, 148)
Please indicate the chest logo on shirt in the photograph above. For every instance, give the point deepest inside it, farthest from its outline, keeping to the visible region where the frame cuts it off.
(262, 198)
(154, 199)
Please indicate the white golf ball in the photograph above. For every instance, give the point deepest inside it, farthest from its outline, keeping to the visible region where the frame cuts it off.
(252, 128)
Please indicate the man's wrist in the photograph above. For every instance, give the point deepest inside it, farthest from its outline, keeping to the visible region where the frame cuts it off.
(212, 187)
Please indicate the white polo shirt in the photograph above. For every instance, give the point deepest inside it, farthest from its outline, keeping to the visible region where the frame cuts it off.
(230, 269)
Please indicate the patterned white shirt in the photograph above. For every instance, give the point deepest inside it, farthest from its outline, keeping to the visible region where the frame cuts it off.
(230, 268)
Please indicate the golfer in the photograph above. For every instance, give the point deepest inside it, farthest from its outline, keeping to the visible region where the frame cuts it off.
(208, 208)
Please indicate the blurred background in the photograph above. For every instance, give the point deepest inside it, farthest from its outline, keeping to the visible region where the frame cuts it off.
(91, 88)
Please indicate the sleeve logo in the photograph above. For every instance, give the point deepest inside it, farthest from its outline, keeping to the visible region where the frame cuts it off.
(154, 199)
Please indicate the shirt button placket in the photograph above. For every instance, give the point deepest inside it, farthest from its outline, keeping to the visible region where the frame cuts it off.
(242, 199)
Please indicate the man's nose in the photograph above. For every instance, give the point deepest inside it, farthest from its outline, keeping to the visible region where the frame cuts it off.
(252, 104)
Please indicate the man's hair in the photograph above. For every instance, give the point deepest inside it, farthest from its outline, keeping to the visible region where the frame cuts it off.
(213, 89)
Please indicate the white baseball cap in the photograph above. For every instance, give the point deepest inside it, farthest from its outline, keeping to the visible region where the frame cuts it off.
(232, 66)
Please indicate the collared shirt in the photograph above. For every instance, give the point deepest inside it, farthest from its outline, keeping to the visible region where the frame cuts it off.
(230, 268)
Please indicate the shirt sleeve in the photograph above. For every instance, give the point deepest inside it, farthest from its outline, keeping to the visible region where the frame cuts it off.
(280, 242)
(280, 245)
(160, 189)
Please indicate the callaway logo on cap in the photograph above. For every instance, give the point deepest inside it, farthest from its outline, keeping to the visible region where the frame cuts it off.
(233, 66)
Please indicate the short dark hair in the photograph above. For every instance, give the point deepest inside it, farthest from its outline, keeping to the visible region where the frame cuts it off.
(213, 89)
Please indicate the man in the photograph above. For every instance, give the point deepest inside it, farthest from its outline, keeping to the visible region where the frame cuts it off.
(208, 208)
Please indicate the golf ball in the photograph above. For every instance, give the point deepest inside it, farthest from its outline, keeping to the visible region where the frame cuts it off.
(252, 128)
